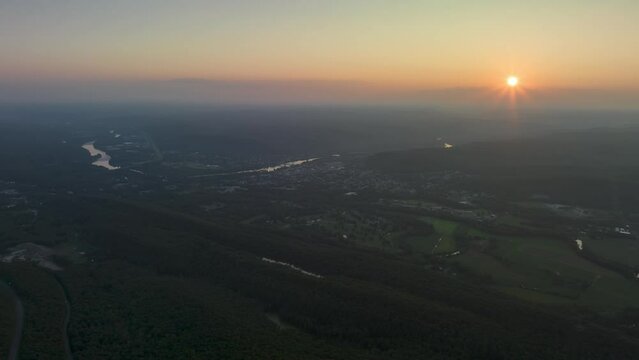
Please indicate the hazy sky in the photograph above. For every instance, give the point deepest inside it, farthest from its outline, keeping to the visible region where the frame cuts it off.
(357, 49)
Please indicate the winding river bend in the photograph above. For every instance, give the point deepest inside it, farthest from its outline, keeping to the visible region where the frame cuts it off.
(268, 169)
(104, 159)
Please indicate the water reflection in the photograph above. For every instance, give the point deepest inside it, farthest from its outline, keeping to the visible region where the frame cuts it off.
(104, 158)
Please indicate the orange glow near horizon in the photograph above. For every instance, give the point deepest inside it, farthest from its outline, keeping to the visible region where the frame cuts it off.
(348, 49)
(511, 91)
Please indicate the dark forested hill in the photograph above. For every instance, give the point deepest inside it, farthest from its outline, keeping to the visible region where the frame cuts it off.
(594, 168)
(171, 252)
(159, 282)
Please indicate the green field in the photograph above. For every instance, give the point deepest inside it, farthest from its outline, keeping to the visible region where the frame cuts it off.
(509, 220)
(622, 250)
(445, 232)
(537, 269)
(550, 270)
(420, 244)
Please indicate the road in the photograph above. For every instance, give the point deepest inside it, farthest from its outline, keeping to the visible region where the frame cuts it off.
(67, 318)
(17, 336)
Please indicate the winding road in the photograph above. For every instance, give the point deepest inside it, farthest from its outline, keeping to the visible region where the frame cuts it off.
(17, 336)
(67, 318)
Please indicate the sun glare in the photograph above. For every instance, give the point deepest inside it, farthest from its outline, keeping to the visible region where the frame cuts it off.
(512, 81)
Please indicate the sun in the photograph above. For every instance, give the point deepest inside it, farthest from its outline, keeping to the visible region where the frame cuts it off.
(512, 81)
(513, 90)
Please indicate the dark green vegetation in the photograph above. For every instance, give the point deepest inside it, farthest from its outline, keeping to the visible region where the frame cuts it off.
(44, 311)
(404, 255)
(8, 319)
(162, 284)
(589, 168)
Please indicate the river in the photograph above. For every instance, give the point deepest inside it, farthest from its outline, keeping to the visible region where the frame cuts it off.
(104, 159)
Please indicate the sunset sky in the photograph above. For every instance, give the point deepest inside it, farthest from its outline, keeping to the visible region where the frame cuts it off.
(303, 49)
